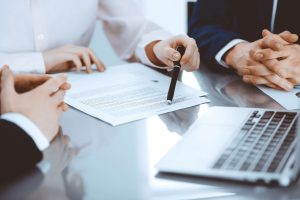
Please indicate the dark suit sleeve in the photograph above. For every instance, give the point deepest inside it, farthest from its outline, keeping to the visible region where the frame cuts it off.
(18, 151)
(211, 26)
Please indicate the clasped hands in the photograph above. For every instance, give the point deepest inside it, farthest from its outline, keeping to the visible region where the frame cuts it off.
(38, 97)
(273, 61)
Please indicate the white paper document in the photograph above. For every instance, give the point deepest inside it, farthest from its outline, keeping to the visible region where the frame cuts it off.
(127, 93)
(289, 100)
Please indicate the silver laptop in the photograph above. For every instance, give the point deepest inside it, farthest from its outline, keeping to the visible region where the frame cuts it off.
(243, 144)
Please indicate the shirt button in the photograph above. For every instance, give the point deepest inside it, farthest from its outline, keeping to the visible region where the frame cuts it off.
(40, 36)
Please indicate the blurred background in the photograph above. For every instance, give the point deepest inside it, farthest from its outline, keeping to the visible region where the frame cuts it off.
(169, 14)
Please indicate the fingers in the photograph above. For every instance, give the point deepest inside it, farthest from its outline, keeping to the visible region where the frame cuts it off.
(275, 66)
(171, 54)
(27, 82)
(100, 66)
(7, 82)
(64, 107)
(255, 80)
(276, 42)
(271, 85)
(266, 32)
(65, 86)
(75, 60)
(193, 63)
(53, 84)
(58, 100)
(190, 61)
(289, 37)
(280, 82)
(77, 55)
(88, 57)
(58, 97)
(191, 53)
(267, 54)
(272, 81)
(1, 69)
(87, 61)
(257, 70)
(166, 52)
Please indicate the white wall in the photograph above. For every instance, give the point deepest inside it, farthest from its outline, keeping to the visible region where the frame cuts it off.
(170, 14)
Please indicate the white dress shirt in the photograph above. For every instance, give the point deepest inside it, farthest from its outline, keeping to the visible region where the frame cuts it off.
(29, 27)
(234, 42)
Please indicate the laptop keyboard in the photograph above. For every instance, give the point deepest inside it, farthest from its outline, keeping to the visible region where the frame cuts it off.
(263, 144)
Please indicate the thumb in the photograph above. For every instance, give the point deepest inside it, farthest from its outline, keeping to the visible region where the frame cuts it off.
(7, 82)
(172, 54)
(266, 32)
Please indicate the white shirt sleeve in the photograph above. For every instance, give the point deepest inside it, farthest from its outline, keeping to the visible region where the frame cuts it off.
(23, 62)
(128, 30)
(29, 127)
(221, 53)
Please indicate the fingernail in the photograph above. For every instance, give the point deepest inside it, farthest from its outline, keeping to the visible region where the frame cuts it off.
(176, 56)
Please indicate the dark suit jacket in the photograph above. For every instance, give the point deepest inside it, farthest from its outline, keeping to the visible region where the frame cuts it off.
(214, 23)
(18, 152)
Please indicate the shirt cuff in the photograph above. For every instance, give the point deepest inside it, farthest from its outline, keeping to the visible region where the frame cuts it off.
(29, 127)
(221, 53)
(148, 38)
(24, 62)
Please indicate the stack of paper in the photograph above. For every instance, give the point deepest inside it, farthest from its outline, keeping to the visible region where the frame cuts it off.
(128, 92)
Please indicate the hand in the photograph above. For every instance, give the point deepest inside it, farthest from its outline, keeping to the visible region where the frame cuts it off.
(69, 57)
(27, 82)
(240, 58)
(166, 53)
(269, 59)
(285, 63)
(42, 105)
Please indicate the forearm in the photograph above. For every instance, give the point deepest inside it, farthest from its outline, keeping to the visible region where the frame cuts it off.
(18, 151)
(211, 25)
(211, 39)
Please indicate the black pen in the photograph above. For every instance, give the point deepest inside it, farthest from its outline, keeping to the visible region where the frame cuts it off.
(175, 75)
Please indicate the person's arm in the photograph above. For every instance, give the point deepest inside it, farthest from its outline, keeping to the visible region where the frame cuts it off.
(29, 127)
(31, 62)
(128, 30)
(18, 151)
(210, 26)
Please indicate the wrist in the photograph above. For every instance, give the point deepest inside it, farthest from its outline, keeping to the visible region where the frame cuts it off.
(233, 54)
(46, 61)
(149, 49)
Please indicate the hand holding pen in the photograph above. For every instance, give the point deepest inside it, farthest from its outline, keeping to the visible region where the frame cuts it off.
(175, 74)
